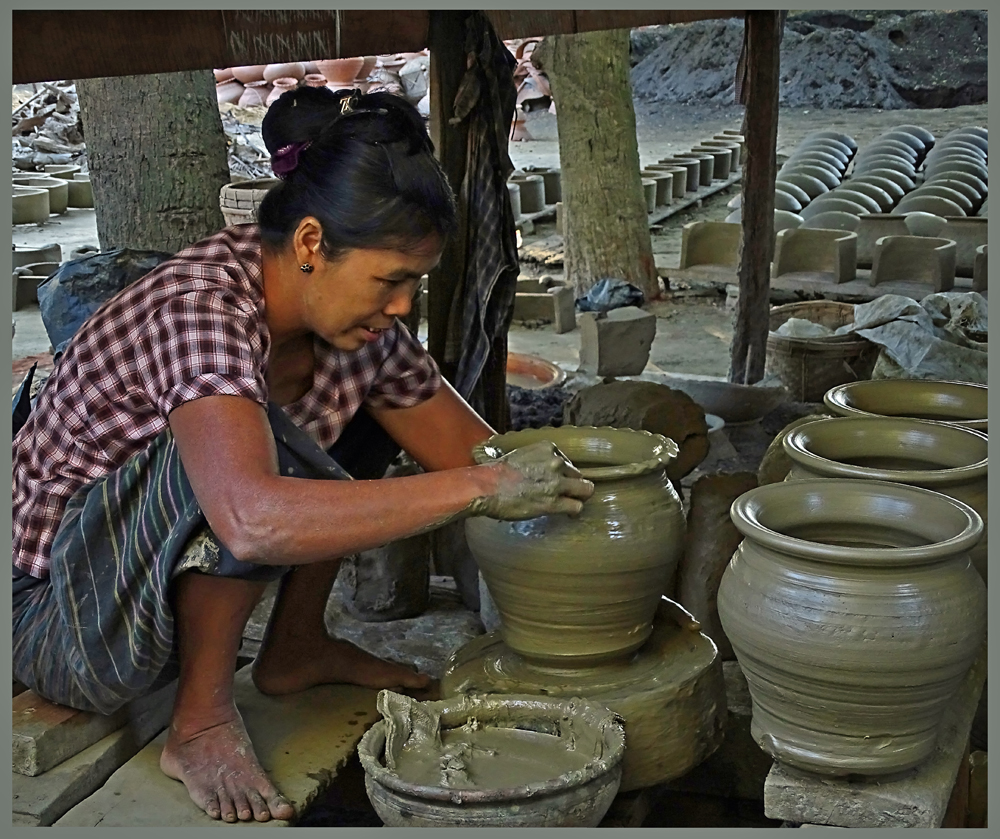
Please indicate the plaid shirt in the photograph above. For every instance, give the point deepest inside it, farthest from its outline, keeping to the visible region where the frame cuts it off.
(193, 326)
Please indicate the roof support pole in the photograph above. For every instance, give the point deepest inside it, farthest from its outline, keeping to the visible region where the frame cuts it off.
(761, 131)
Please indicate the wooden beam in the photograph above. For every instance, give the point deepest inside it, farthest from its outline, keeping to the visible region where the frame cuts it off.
(96, 43)
(750, 334)
(92, 44)
(446, 38)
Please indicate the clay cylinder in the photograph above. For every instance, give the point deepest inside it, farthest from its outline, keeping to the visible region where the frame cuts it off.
(694, 169)
(664, 185)
(649, 192)
(553, 185)
(532, 192)
(855, 615)
(721, 159)
(956, 403)
(514, 190)
(931, 455)
(580, 591)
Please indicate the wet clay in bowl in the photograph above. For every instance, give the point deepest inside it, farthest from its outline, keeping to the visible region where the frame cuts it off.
(958, 403)
(492, 761)
(934, 455)
(855, 614)
(584, 590)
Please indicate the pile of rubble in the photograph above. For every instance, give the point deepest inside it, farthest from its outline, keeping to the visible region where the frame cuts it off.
(46, 128)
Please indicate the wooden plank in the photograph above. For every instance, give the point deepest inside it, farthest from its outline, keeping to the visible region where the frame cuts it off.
(95, 43)
(957, 814)
(749, 345)
(521, 23)
(45, 734)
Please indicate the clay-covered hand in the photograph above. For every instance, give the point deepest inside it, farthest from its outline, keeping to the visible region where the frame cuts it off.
(535, 480)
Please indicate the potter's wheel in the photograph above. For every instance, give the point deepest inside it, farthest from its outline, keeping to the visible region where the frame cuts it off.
(670, 692)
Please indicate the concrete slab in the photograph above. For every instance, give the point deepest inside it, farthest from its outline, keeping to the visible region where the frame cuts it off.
(918, 798)
(302, 741)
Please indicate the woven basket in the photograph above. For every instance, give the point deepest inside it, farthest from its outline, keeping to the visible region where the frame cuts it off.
(239, 200)
(809, 367)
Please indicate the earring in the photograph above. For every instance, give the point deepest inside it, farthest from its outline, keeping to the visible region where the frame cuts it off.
(306, 268)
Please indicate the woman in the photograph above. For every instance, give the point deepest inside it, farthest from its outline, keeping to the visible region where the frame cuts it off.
(181, 454)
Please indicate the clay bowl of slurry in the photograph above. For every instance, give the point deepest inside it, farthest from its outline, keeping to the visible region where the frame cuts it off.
(932, 455)
(855, 615)
(963, 404)
(583, 590)
(533, 372)
(492, 761)
(796, 192)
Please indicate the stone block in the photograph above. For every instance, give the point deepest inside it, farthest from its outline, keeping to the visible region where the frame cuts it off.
(302, 739)
(918, 798)
(535, 306)
(564, 308)
(618, 343)
(45, 734)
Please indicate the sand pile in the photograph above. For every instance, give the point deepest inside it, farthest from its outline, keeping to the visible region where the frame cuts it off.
(887, 60)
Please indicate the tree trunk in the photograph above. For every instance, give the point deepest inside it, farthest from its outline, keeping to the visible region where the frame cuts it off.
(749, 347)
(157, 156)
(606, 231)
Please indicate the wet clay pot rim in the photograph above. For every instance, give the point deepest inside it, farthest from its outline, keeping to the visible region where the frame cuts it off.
(631, 452)
(763, 515)
(966, 401)
(608, 725)
(816, 445)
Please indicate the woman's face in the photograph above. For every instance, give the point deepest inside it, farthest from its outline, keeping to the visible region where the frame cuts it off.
(351, 301)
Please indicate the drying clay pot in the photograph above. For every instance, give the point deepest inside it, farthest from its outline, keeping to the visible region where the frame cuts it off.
(30, 205)
(255, 93)
(810, 186)
(58, 189)
(931, 455)
(958, 403)
(833, 135)
(341, 72)
(584, 590)
(281, 86)
(578, 748)
(314, 80)
(291, 70)
(833, 220)
(228, 91)
(81, 193)
(855, 615)
(249, 73)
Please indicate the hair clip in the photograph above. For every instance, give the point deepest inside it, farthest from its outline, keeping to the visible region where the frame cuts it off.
(285, 159)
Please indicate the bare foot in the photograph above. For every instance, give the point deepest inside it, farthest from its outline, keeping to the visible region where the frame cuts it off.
(279, 669)
(216, 762)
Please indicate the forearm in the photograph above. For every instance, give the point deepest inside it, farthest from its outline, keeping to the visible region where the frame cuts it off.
(294, 521)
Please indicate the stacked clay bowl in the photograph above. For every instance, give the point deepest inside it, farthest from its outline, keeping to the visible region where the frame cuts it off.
(959, 164)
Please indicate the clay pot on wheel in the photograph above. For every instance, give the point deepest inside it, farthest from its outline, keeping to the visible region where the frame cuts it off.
(933, 455)
(579, 591)
(855, 614)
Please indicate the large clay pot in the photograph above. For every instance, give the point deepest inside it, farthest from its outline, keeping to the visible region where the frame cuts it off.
(255, 93)
(932, 455)
(281, 86)
(249, 73)
(855, 614)
(580, 591)
(956, 403)
(289, 70)
(228, 91)
(341, 72)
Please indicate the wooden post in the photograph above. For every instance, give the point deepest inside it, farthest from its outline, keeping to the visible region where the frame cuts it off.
(446, 41)
(750, 334)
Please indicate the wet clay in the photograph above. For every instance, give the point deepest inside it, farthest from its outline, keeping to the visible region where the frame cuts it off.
(957, 403)
(855, 615)
(582, 590)
(471, 757)
(945, 458)
(670, 693)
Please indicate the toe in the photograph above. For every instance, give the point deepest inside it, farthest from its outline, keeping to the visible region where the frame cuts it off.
(259, 805)
(211, 806)
(280, 807)
(242, 806)
(226, 806)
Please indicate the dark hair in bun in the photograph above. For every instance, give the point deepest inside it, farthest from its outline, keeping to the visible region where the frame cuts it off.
(368, 175)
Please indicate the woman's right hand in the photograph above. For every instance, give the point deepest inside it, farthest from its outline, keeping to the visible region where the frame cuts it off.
(531, 481)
